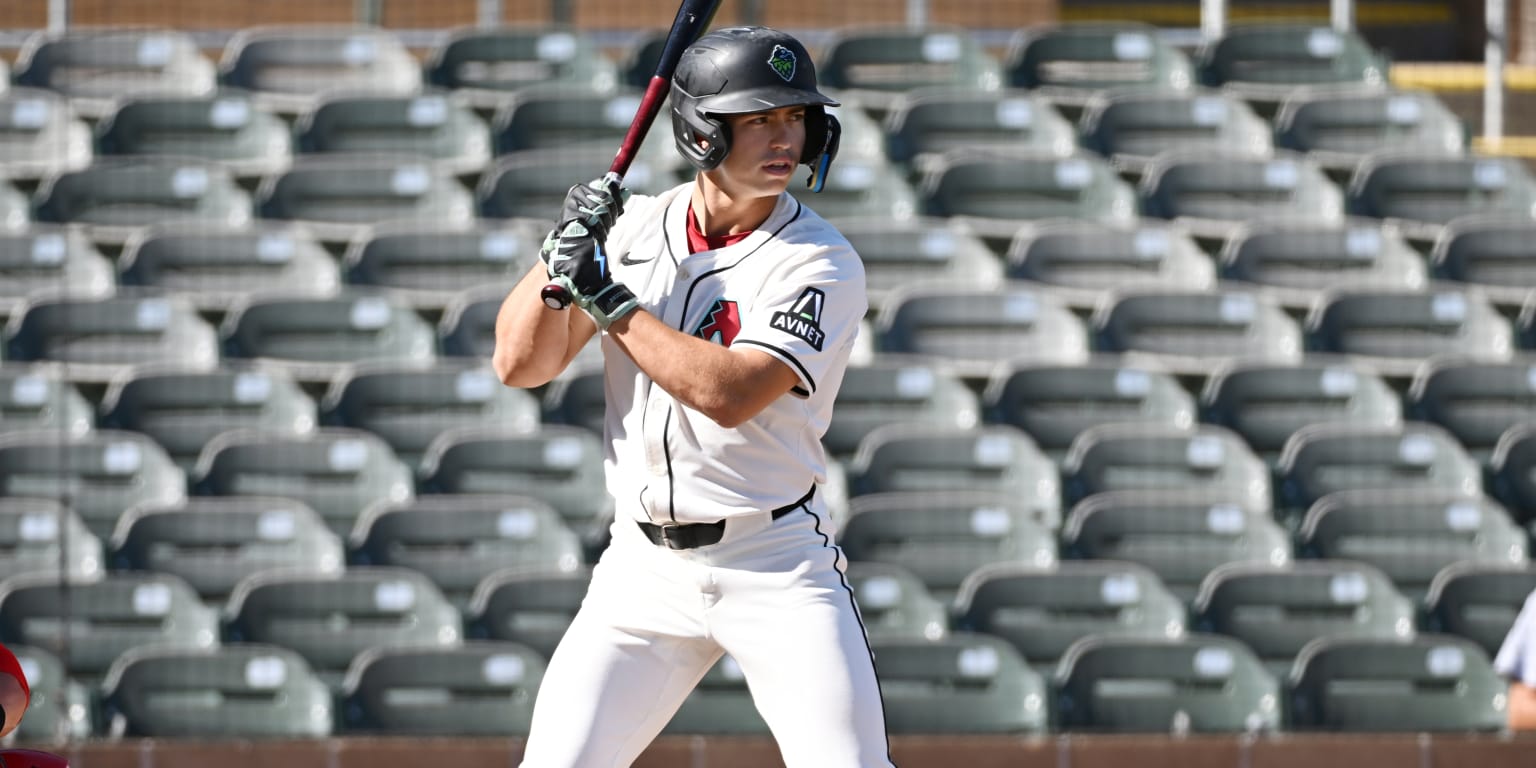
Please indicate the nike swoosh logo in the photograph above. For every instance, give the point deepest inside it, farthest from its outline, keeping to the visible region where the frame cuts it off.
(628, 262)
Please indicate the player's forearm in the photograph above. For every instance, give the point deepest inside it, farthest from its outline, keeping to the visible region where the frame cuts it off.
(709, 378)
(533, 342)
(1522, 707)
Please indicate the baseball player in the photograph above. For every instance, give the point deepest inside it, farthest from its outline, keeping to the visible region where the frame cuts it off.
(1516, 661)
(727, 311)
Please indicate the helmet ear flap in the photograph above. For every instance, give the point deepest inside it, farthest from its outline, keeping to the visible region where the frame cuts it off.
(823, 133)
(703, 141)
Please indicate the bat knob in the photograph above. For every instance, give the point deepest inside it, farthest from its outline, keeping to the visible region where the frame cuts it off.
(555, 296)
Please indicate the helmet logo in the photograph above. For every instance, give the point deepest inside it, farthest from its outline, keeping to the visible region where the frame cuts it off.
(783, 62)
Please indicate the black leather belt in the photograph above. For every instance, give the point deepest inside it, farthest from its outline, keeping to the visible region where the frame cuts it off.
(695, 535)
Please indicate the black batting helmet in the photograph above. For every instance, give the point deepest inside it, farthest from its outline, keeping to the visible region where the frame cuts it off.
(740, 70)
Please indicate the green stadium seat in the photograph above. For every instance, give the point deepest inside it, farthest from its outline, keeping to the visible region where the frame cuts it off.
(1181, 536)
(1042, 611)
(1197, 332)
(880, 393)
(1475, 401)
(859, 187)
(1294, 261)
(1071, 62)
(1214, 193)
(40, 535)
(41, 135)
(1477, 601)
(925, 123)
(894, 604)
(459, 540)
(98, 339)
(290, 67)
(966, 683)
(410, 405)
(1339, 128)
(184, 410)
(943, 539)
(1491, 252)
(991, 459)
(1265, 404)
(428, 266)
(1265, 62)
(1323, 458)
(1144, 457)
(997, 193)
(874, 66)
(100, 620)
(215, 268)
(528, 607)
(531, 184)
(1434, 683)
(15, 210)
(1433, 191)
(1055, 403)
(1132, 127)
(215, 542)
(437, 127)
(317, 339)
(340, 196)
(574, 116)
(246, 691)
(1395, 331)
(116, 196)
(720, 705)
(95, 67)
(468, 325)
(331, 618)
(575, 398)
(918, 252)
(40, 397)
(338, 472)
(98, 475)
(556, 464)
(1081, 260)
(1511, 478)
(485, 63)
(226, 129)
(969, 332)
(60, 709)
(479, 689)
(1278, 610)
(46, 259)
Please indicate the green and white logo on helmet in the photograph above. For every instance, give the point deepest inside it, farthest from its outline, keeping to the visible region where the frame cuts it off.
(783, 62)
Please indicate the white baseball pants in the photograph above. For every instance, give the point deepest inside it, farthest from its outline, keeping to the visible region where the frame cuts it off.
(771, 594)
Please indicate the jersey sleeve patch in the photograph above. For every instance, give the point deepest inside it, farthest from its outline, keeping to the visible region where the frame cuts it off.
(803, 319)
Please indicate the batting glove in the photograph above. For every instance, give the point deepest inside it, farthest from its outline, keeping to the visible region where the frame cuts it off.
(576, 261)
(596, 204)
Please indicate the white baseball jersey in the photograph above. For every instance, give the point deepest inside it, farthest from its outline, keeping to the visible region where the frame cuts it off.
(793, 288)
(1517, 656)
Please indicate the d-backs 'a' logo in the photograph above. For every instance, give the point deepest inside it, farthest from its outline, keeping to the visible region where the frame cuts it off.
(803, 320)
(721, 323)
(783, 62)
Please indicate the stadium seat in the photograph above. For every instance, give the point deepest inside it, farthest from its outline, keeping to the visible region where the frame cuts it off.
(894, 603)
(39, 397)
(60, 709)
(575, 398)
(1511, 478)
(1434, 191)
(1337, 129)
(41, 535)
(1491, 252)
(478, 689)
(428, 266)
(1199, 683)
(1265, 404)
(338, 472)
(1072, 62)
(926, 123)
(1180, 535)
(1410, 534)
(858, 187)
(996, 193)
(532, 184)
(40, 135)
(183, 410)
(1477, 601)
(1265, 62)
(290, 67)
(247, 691)
(1296, 260)
(1055, 403)
(97, 339)
(720, 705)
(1438, 683)
(880, 393)
(559, 465)
(318, 338)
(341, 196)
(918, 252)
(48, 260)
(969, 332)
(1476, 402)
(436, 127)
(215, 268)
(574, 116)
(1132, 127)
(1214, 193)
(1323, 458)
(966, 683)
(15, 211)
(1193, 332)
(1043, 611)
(1081, 260)
(486, 63)
(468, 325)
(95, 67)
(874, 66)
(98, 474)
(100, 620)
(214, 543)
(409, 405)
(459, 540)
(991, 459)
(115, 196)
(1154, 457)
(1395, 331)
(331, 618)
(528, 607)
(226, 129)
(941, 538)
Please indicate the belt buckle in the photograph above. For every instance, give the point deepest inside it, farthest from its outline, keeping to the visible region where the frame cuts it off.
(666, 536)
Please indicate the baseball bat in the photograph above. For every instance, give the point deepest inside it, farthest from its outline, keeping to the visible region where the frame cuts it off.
(692, 19)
